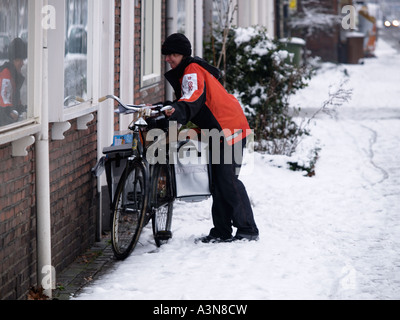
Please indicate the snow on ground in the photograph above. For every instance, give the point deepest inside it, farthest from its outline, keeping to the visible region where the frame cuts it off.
(333, 236)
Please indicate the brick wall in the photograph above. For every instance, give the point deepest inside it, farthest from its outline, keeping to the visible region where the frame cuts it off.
(117, 47)
(74, 204)
(117, 56)
(324, 44)
(74, 199)
(17, 223)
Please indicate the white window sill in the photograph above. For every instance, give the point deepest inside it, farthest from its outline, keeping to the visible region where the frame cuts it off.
(82, 112)
(150, 80)
(18, 131)
(23, 129)
(75, 112)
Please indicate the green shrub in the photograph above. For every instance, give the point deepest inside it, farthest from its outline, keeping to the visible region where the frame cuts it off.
(258, 71)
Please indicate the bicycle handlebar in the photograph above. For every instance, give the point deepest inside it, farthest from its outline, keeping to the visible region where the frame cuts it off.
(125, 108)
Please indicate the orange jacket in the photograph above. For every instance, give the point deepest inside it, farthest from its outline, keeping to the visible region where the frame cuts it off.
(204, 101)
(10, 85)
(7, 88)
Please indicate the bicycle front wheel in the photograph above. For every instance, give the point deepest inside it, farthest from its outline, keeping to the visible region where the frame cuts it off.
(162, 204)
(129, 210)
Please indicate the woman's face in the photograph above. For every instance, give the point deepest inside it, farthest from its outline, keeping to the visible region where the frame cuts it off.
(174, 59)
(18, 63)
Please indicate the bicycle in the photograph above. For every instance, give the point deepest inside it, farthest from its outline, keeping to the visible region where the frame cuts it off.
(145, 191)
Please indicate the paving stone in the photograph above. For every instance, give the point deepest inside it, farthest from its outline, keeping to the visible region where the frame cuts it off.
(84, 270)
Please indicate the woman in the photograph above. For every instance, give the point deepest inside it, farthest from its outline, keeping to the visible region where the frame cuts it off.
(11, 80)
(204, 101)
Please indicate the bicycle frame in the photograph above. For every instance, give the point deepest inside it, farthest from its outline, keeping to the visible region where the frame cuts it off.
(145, 191)
(139, 147)
(137, 127)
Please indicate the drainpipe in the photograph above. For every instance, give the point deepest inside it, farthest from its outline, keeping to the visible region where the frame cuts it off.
(45, 272)
(172, 13)
(199, 28)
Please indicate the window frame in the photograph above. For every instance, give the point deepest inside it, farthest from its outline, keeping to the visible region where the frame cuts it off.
(56, 47)
(31, 125)
(156, 17)
(188, 23)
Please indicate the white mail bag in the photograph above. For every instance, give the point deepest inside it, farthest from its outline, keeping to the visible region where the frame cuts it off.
(192, 171)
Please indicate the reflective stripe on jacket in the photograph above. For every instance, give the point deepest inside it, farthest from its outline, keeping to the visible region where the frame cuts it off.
(7, 85)
(10, 85)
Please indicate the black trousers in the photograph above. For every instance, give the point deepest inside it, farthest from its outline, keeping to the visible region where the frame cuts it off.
(231, 205)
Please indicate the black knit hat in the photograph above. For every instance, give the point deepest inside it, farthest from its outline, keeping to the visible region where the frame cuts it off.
(177, 43)
(17, 50)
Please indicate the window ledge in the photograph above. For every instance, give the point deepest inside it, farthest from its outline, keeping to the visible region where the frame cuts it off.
(24, 129)
(83, 117)
(79, 111)
(150, 80)
(74, 112)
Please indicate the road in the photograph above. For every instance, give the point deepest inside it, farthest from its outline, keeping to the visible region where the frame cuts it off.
(392, 36)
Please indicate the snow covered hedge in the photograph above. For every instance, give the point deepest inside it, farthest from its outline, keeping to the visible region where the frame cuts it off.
(258, 71)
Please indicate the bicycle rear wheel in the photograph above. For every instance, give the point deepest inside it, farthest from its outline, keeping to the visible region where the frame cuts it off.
(129, 210)
(162, 203)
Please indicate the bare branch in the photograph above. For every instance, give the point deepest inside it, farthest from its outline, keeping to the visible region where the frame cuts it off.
(335, 100)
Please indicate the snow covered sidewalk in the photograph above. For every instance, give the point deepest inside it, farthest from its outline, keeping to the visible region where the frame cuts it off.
(333, 236)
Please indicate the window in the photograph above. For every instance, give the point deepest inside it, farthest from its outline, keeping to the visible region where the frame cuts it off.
(151, 42)
(182, 16)
(76, 53)
(185, 18)
(74, 57)
(14, 37)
